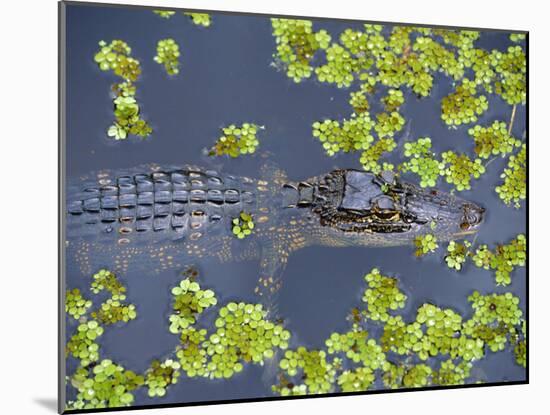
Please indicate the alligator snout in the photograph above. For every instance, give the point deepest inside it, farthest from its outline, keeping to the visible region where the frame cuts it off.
(472, 216)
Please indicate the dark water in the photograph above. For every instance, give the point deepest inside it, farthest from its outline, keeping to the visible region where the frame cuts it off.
(226, 78)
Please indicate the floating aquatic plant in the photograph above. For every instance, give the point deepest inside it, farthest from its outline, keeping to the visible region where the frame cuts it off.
(463, 105)
(517, 37)
(425, 244)
(387, 124)
(243, 335)
(493, 140)
(161, 375)
(82, 344)
(450, 373)
(168, 53)
(352, 360)
(115, 310)
(107, 280)
(317, 373)
(417, 376)
(405, 57)
(370, 158)
(346, 136)
(422, 162)
(358, 380)
(116, 57)
(520, 349)
(460, 169)
(503, 259)
(514, 188)
(189, 301)
(457, 253)
(296, 45)
(76, 305)
(382, 296)
(107, 385)
(237, 140)
(243, 225)
(495, 319)
(358, 348)
(165, 14)
(200, 19)
(191, 353)
(511, 71)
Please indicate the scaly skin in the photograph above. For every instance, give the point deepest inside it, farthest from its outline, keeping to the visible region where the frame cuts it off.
(172, 218)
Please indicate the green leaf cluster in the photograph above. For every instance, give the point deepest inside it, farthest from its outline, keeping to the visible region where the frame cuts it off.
(165, 14)
(493, 140)
(168, 53)
(243, 225)
(514, 187)
(296, 46)
(189, 302)
(422, 162)
(382, 295)
(161, 375)
(425, 244)
(464, 105)
(200, 19)
(75, 304)
(503, 259)
(107, 385)
(116, 57)
(457, 253)
(237, 140)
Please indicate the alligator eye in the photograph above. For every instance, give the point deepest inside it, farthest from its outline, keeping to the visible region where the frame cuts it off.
(473, 215)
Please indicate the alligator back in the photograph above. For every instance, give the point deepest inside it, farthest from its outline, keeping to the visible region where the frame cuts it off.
(156, 214)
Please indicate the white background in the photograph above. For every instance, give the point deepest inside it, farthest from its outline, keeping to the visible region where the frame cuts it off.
(28, 204)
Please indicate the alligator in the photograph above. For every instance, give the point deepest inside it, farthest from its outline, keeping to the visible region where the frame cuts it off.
(173, 217)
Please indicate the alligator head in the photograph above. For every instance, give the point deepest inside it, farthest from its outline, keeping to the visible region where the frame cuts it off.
(360, 207)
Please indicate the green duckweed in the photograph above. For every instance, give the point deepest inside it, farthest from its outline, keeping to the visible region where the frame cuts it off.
(457, 253)
(161, 375)
(493, 140)
(517, 37)
(511, 71)
(463, 106)
(237, 141)
(107, 280)
(107, 385)
(503, 259)
(520, 349)
(115, 310)
(382, 296)
(514, 187)
(116, 57)
(189, 301)
(297, 44)
(200, 19)
(75, 304)
(82, 344)
(422, 162)
(168, 54)
(243, 225)
(317, 373)
(460, 169)
(425, 244)
(165, 14)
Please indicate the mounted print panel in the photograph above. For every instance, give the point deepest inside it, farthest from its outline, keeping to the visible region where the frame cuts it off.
(262, 207)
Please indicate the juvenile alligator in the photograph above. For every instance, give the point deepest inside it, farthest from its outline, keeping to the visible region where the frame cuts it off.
(175, 216)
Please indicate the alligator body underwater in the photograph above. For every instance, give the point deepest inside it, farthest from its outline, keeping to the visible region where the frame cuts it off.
(174, 217)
